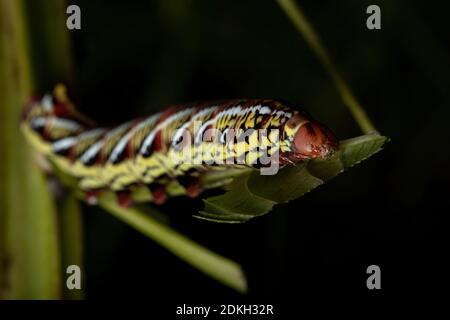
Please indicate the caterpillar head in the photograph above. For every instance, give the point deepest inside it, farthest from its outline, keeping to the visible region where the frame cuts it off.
(309, 139)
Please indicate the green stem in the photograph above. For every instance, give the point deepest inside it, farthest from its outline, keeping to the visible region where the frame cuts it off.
(304, 27)
(52, 62)
(71, 239)
(216, 266)
(29, 231)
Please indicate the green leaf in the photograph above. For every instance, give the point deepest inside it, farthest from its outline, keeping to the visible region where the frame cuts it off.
(252, 194)
(236, 205)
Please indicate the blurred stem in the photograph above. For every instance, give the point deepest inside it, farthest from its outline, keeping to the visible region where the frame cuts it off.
(216, 266)
(52, 56)
(29, 232)
(71, 239)
(304, 27)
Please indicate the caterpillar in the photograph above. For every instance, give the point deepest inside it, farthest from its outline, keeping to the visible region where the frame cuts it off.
(181, 143)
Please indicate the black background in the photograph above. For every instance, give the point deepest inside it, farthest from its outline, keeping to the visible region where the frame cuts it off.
(136, 57)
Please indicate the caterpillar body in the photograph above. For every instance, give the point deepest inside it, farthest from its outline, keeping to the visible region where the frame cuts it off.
(181, 143)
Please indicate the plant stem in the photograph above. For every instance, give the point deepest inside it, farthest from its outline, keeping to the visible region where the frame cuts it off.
(53, 63)
(214, 265)
(71, 225)
(304, 27)
(31, 247)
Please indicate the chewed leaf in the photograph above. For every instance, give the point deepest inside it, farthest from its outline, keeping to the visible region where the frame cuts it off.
(252, 194)
(236, 205)
(290, 183)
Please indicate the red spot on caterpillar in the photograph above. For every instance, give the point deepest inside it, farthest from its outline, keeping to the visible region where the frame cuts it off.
(124, 198)
(193, 190)
(159, 194)
(92, 197)
(129, 152)
(61, 109)
(157, 142)
(208, 133)
(99, 158)
(46, 131)
(72, 154)
(191, 185)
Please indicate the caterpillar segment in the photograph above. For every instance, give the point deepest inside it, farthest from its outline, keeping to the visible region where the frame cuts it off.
(179, 144)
